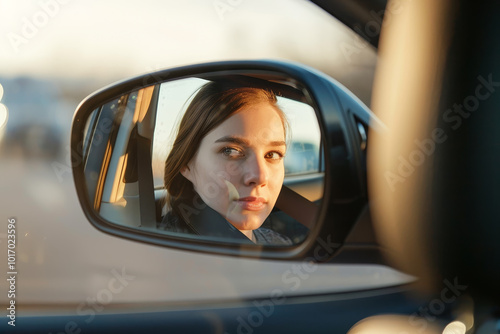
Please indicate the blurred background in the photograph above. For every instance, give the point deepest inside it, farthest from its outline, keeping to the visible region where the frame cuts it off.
(53, 53)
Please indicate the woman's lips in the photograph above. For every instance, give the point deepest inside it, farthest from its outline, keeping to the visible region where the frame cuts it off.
(252, 203)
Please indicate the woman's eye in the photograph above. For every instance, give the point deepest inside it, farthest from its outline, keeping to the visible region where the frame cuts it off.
(231, 152)
(274, 155)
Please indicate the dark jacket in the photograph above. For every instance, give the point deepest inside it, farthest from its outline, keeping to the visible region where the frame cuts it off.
(203, 220)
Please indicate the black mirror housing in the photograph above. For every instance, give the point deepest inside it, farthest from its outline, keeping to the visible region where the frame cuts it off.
(343, 122)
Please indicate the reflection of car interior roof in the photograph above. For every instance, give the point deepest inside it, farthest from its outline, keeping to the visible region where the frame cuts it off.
(282, 88)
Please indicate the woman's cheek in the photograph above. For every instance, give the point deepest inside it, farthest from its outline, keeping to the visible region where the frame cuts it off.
(233, 168)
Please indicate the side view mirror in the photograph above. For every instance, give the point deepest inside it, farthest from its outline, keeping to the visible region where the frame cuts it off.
(198, 158)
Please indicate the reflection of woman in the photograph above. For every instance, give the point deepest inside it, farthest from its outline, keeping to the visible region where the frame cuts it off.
(225, 170)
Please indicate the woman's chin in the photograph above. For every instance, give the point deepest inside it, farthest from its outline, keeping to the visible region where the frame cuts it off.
(245, 223)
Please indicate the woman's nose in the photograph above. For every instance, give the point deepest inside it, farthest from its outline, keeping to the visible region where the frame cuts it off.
(256, 172)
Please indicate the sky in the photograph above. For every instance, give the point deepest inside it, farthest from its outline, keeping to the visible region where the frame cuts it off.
(76, 38)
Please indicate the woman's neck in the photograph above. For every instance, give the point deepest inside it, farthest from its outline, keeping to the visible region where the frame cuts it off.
(249, 234)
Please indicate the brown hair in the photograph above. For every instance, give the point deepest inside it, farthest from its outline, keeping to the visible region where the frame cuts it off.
(212, 105)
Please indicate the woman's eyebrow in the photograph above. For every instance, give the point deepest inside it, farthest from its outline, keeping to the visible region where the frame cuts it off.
(244, 142)
(278, 143)
(234, 140)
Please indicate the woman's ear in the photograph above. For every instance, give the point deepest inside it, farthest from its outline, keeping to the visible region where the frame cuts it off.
(186, 172)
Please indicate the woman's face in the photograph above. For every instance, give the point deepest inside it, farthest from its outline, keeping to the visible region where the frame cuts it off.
(238, 169)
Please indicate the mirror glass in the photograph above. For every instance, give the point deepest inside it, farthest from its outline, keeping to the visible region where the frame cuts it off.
(230, 158)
